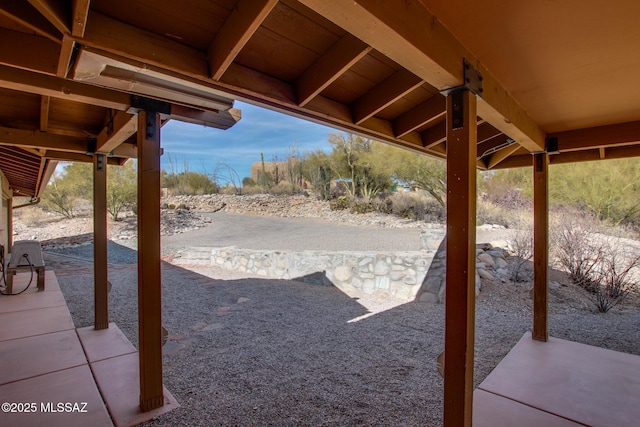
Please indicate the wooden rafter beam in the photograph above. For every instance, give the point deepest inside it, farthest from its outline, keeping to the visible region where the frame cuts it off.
(590, 155)
(55, 13)
(501, 155)
(126, 151)
(616, 135)
(434, 135)
(28, 51)
(120, 127)
(409, 34)
(37, 139)
(112, 37)
(80, 16)
(26, 81)
(389, 91)
(437, 134)
(22, 13)
(46, 175)
(44, 113)
(338, 59)
(428, 112)
(281, 96)
(43, 165)
(236, 31)
(66, 51)
(78, 157)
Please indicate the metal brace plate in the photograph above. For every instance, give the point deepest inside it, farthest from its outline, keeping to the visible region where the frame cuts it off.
(148, 104)
(472, 78)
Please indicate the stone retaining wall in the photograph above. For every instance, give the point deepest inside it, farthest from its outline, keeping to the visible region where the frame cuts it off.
(403, 275)
(397, 274)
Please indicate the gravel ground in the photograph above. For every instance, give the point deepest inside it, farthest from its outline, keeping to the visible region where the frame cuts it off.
(251, 351)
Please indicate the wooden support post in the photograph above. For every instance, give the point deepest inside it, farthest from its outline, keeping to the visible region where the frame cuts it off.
(540, 246)
(461, 258)
(9, 225)
(149, 273)
(100, 272)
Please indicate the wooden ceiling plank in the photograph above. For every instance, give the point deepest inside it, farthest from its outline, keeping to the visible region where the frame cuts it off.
(54, 87)
(80, 16)
(409, 34)
(44, 113)
(423, 114)
(131, 42)
(120, 127)
(615, 135)
(486, 132)
(389, 91)
(55, 13)
(264, 87)
(28, 51)
(329, 67)
(66, 51)
(501, 155)
(33, 151)
(21, 158)
(245, 19)
(22, 13)
(434, 135)
(37, 139)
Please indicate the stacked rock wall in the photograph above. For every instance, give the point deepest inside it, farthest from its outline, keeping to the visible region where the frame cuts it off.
(403, 275)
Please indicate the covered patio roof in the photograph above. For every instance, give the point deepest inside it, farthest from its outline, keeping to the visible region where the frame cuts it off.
(375, 68)
(482, 85)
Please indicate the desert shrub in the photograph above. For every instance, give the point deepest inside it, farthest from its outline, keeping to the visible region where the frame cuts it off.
(283, 187)
(594, 261)
(522, 251)
(574, 250)
(32, 216)
(254, 189)
(362, 206)
(248, 182)
(188, 182)
(339, 204)
(490, 213)
(418, 206)
(231, 189)
(407, 205)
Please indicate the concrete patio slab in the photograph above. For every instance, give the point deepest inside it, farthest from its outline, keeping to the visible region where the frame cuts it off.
(589, 385)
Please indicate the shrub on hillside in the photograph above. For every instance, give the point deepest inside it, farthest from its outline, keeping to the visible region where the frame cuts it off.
(283, 187)
(490, 213)
(594, 261)
(419, 206)
(522, 252)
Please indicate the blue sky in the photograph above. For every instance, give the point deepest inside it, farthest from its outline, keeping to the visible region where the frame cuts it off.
(259, 130)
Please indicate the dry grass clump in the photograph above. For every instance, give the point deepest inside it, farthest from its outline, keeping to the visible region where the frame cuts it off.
(417, 205)
(32, 216)
(490, 213)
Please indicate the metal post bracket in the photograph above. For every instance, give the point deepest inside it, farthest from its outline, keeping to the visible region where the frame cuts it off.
(472, 78)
